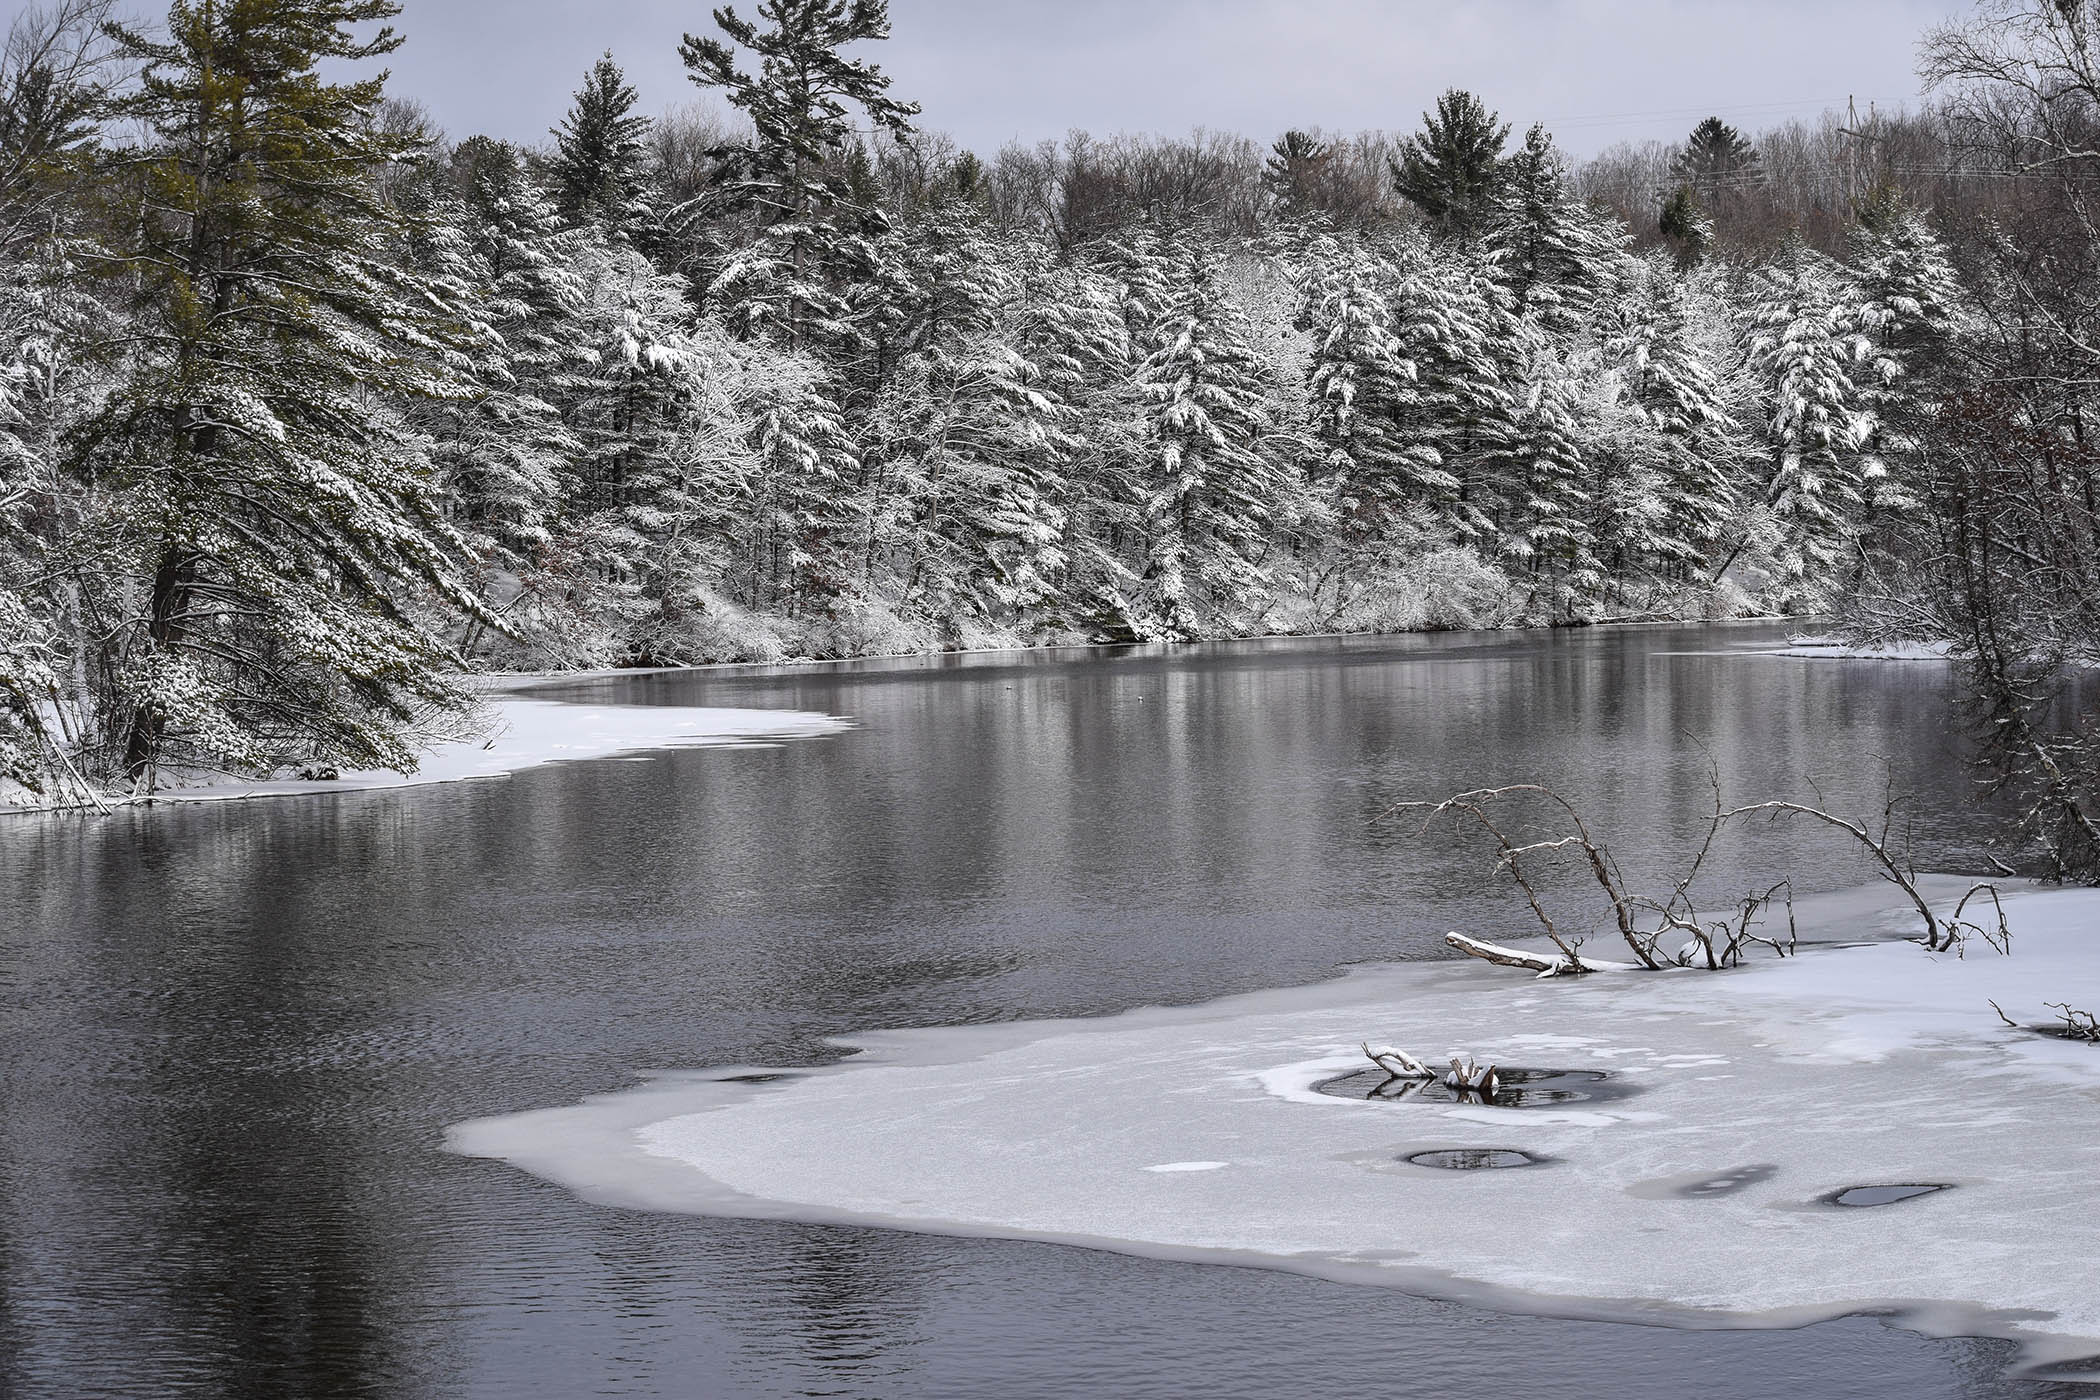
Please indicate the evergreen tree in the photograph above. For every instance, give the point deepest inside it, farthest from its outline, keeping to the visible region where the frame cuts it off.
(1448, 170)
(1213, 485)
(1368, 397)
(1718, 162)
(504, 456)
(600, 168)
(629, 399)
(966, 449)
(1555, 255)
(688, 502)
(1805, 350)
(813, 234)
(1295, 171)
(1628, 525)
(1539, 473)
(1144, 263)
(1069, 323)
(1698, 451)
(801, 550)
(277, 509)
(1460, 326)
(42, 392)
(1911, 307)
(1686, 226)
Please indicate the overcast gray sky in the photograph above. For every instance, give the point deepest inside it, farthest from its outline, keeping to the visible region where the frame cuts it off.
(987, 71)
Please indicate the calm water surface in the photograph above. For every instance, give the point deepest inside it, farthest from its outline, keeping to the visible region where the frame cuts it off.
(231, 1036)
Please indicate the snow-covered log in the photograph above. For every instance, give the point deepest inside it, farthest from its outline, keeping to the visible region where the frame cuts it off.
(1397, 1063)
(1544, 964)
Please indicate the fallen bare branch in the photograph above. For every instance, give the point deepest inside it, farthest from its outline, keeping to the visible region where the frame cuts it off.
(1397, 1064)
(1544, 965)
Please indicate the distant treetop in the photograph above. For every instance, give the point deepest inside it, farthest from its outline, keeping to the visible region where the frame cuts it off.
(1718, 159)
(1448, 169)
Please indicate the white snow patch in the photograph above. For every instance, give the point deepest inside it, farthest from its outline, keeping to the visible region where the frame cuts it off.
(1856, 1065)
(1188, 1166)
(1838, 649)
(528, 733)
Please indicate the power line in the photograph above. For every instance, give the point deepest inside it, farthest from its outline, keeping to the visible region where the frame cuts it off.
(1660, 114)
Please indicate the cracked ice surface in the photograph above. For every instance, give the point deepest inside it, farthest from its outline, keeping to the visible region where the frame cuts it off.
(1791, 1079)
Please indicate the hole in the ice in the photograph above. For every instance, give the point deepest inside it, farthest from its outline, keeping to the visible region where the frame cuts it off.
(1881, 1195)
(755, 1078)
(1520, 1088)
(1728, 1183)
(1475, 1159)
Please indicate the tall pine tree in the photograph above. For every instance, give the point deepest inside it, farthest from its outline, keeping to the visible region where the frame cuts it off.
(1448, 169)
(278, 512)
(1214, 482)
(600, 168)
(813, 243)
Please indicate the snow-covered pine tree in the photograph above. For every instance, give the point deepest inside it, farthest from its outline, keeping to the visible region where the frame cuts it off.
(600, 168)
(277, 511)
(965, 448)
(802, 532)
(626, 407)
(1459, 325)
(812, 244)
(1533, 461)
(1214, 479)
(1068, 323)
(44, 389)
(690, 499)
(1666, 336)
(505, 458)
(1803, 345)
(980, 537)
(1553, 252)
(1910, 305)
(1144, 262)
(1630, 462)
(1367, 414)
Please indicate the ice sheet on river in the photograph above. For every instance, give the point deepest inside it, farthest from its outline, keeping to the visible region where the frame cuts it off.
(1197, 1133)
(527, 733)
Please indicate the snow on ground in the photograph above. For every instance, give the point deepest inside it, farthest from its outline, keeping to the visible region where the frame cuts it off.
(1195, 1133)
(527, 733)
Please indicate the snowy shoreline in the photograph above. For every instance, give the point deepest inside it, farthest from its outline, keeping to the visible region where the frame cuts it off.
(1853, 1065)
(490, 682)
(528, 734)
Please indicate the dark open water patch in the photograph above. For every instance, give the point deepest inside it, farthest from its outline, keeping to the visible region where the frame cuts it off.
(1729, 1182)
(1476, 1159)
(755, 1078)
(1881, 1195)
(1520, 1088)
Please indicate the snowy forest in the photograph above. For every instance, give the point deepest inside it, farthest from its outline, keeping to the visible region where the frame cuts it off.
(309, 410)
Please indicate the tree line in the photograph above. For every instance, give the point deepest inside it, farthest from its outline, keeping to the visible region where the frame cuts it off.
(307, 410)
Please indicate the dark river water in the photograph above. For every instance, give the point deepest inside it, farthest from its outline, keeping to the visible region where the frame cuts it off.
(232, 1035)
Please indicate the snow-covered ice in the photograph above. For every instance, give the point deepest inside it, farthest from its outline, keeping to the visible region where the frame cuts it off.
(1838, 649)
(527, 733)
(1195, 1133)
